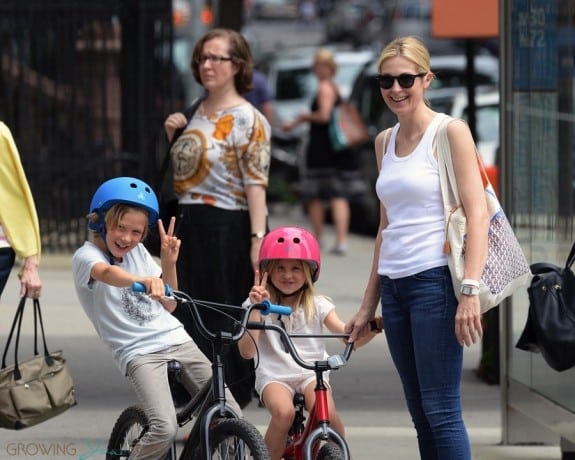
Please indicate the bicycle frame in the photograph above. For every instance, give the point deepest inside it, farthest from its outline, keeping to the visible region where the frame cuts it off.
(305, 445)
(218, 408)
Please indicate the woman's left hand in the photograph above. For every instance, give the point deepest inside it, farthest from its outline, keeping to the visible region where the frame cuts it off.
(468, 328)
(30, 283)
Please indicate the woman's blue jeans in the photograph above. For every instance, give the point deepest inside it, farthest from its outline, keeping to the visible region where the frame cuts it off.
(7, 258)
(419, 321)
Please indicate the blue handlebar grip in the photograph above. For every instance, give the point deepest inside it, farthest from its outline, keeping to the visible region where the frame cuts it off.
(273, 308)
(141, 287)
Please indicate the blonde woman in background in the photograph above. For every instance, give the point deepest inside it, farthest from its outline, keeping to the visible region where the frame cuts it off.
(327, 171)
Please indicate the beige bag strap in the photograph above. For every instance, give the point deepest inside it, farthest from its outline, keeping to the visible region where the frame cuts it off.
(386, 136)
(449, 190)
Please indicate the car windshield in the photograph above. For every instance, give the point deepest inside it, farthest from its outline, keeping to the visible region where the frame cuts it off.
(300, 82)
(294, 83)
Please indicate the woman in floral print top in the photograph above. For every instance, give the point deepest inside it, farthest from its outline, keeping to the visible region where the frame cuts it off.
(221, 165)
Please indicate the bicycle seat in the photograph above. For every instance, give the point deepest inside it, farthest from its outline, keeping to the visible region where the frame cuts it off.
(298, 399)
(174, 370)
(179, 393)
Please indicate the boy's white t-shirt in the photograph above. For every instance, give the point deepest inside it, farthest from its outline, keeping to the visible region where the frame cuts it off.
(277, 364)
(129, 322)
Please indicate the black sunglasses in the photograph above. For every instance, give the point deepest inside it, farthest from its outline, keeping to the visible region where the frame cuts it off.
(405, 80)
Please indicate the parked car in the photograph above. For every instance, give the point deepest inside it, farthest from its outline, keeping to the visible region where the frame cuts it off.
(448, 94)
(293, 85)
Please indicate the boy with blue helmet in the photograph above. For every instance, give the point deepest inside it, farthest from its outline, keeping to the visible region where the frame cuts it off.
(138, 328)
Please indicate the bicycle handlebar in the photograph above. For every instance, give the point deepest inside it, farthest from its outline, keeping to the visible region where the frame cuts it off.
(266, 307)
(333, 362)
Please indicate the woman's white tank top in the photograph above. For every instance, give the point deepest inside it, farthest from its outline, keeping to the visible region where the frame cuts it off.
(408, 186)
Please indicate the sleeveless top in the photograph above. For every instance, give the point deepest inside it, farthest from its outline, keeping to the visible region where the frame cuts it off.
(320, 154)
(409, 188)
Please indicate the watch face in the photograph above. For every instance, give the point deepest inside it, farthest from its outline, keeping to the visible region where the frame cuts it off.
(469, 290)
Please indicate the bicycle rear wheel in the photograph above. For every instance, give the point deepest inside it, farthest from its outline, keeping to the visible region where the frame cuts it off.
(235, 439)
(330, 451)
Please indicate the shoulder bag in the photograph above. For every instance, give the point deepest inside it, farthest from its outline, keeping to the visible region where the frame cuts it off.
(167, 199)
(346, 127)
(550, 326)
(506, 269)
(38, 388)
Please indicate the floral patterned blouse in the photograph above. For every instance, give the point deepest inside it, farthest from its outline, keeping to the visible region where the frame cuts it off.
(216, 157)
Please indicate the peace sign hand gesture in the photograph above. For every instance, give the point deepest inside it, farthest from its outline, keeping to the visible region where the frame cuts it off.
(258, 293)
(259, 290)
(169, 243)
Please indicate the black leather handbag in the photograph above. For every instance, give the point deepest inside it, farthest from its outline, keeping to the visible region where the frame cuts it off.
(167, 199)
(550, 327)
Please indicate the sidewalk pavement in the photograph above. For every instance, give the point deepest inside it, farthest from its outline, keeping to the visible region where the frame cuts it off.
(368, 394)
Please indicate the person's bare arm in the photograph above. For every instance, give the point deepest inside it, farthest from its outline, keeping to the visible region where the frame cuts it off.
(358, 325)
(256, 196)
(248, 344)
(468, 326)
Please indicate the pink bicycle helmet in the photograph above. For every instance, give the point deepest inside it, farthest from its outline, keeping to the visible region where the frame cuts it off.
(291, 243)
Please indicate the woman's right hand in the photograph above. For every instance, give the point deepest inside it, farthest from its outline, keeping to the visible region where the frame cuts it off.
(173, 122)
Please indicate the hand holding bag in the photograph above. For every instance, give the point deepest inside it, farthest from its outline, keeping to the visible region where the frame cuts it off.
(167, 199)
(346, 127)
(37, 389)
(550, 326)
(506, 268)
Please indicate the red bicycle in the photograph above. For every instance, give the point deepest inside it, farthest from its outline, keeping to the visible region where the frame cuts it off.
(312, 439)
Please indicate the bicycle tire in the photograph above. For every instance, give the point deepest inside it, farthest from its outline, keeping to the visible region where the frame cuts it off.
(128, 429)
(235, 439)
(330, 451)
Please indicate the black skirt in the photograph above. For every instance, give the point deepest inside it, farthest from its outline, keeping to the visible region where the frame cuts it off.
(214, 265)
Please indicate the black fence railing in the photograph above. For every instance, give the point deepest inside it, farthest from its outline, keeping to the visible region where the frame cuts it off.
(84, 87)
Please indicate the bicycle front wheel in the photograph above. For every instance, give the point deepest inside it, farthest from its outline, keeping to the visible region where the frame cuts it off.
(235, 439)
(128, 429)
(330, 451)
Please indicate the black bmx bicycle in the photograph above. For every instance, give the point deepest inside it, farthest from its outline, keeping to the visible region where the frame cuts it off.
(216, 432)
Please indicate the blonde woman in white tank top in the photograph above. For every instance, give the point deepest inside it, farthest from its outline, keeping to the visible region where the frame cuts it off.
(425, 325)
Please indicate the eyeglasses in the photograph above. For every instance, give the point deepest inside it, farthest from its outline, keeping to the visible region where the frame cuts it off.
(202, 58)
(405, 80)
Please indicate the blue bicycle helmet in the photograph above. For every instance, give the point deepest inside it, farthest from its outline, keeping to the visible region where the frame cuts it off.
(126, 190)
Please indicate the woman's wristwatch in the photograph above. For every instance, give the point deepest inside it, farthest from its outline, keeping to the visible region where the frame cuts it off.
(258, 235)
(469, 287)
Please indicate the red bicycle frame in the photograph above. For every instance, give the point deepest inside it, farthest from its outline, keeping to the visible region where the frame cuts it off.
(306, 443)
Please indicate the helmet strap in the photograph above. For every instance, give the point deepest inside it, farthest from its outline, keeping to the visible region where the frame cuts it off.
(109, 254)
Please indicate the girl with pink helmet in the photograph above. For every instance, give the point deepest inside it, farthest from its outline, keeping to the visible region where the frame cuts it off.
(289, 264)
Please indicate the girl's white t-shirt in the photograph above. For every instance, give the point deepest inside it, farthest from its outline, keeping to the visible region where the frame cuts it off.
(273, 362)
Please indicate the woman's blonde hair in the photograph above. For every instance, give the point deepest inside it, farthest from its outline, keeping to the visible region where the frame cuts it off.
(325, 56)
(306, 294)
(114, 215)
(410, 48)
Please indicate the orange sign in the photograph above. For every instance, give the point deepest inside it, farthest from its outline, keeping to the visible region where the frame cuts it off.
(465, 18)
